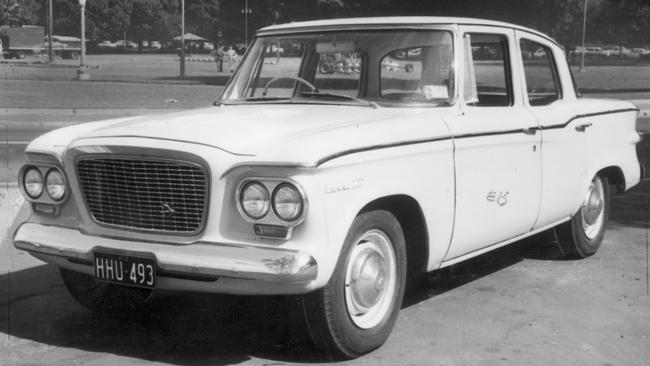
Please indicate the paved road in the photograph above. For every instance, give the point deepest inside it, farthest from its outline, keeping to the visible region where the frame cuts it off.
(74, 94)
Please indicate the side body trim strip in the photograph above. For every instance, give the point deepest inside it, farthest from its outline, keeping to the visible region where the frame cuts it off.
(464, 136)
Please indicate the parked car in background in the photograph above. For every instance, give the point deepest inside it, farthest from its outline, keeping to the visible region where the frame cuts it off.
(126, 44)
(639, 52)
(334, 187)
(589, 51)
(616, 51)
(539, 53)
(107, 45)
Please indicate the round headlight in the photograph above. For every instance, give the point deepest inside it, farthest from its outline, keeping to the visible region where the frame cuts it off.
(254, 200)
(287, 202)
(55, 184)
(33, 182)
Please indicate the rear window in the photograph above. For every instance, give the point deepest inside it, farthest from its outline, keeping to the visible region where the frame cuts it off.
(542, 82)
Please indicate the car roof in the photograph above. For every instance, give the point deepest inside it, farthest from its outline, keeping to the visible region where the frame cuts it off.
(328, 24)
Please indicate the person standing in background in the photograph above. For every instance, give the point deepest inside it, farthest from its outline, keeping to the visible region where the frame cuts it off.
(232, 58)
(218, 57)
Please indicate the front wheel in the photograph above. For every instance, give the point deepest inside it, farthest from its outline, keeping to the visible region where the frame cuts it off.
(583, 234)
(356, 311)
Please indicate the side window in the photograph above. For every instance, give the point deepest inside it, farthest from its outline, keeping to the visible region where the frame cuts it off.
(542, 81)
(487, 70)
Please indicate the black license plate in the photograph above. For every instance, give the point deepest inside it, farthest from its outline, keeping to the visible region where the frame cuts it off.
(125, 269)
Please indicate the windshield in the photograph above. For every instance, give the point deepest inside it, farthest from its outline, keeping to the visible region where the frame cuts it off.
(390, 68)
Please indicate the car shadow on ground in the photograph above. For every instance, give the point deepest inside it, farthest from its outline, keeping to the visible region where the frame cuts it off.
(190, 328)
(538, 247)
(176, 328)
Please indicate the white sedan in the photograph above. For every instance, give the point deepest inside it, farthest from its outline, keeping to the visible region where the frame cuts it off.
(338, 187)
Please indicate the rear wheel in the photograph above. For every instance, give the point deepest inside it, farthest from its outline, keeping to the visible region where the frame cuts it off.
(104, 297)
(356, 311)
(583, 234)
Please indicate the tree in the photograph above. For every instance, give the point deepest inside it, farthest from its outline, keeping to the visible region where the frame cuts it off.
(105, 19)
(144, 17)
(108, 18)
(623, 22)
(19, 12)
(202, 18)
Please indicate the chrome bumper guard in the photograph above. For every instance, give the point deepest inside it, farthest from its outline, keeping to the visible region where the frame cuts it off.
(201, 259)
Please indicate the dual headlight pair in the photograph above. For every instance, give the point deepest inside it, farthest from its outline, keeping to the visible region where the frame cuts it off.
(286, 201)
(54, 183)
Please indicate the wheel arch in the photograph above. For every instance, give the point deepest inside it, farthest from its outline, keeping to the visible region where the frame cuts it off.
(615, 177)
(409, 214)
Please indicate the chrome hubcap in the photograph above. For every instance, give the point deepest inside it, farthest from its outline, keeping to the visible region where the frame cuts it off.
(370, 279)
(593, 209)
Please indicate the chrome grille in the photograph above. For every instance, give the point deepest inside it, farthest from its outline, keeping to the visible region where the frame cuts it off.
(156, 195)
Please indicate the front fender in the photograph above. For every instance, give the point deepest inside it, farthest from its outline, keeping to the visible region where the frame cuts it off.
(424, 172)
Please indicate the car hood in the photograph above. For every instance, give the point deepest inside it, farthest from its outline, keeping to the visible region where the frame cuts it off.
(289, 133)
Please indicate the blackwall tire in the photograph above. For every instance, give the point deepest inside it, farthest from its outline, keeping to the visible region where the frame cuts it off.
(356, 311)
(104, 298)
(582, 236)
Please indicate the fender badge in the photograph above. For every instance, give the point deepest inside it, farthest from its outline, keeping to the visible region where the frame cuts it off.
(501, 198)
(354, 184)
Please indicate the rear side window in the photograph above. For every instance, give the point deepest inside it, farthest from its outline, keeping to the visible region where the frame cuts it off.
(542, 82)
(487, 70)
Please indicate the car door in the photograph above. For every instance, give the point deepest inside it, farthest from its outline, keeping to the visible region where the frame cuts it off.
(564, 150)
(496, 139)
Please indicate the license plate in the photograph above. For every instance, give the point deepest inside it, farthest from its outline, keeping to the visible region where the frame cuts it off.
(125, 269)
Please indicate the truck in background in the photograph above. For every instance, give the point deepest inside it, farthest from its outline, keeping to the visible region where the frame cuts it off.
(19, 42)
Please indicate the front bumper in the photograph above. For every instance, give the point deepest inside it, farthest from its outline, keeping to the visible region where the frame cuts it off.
(202, 266)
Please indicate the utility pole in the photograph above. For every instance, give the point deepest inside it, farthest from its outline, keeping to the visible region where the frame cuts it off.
(50, 20)
(584, 30)
(246, 11)
(82, 73)
(182, 38)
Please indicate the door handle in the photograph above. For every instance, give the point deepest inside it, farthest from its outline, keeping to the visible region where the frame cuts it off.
(583, 127)
(530, 130)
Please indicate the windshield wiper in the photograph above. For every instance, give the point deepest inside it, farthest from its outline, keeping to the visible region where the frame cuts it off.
(254, 100)
(339, 96)
(265, 99)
